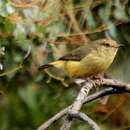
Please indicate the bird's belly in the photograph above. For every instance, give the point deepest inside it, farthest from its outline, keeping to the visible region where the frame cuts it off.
(75, 69)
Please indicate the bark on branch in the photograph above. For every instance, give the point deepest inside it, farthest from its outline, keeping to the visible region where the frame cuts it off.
(111, 87)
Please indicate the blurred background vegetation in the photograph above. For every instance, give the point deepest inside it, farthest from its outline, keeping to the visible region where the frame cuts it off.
(51, 28)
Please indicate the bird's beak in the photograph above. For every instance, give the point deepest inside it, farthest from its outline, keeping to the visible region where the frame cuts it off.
(120, 45)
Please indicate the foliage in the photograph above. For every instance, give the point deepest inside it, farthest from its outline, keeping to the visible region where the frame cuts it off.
(51, 28)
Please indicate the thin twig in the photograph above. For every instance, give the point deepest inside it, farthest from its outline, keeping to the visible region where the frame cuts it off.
(67, 123)
(27, 53)
(83, 117)
(53, 119)
(97, 30)
(12, 70)
(73, 20)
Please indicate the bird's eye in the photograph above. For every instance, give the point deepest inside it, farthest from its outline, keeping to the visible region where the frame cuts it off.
(107, 45)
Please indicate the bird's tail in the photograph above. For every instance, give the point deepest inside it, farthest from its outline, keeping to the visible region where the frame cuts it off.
(42, 67)
(57, 64)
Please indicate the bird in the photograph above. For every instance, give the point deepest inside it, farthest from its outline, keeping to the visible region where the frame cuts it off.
(88, 60)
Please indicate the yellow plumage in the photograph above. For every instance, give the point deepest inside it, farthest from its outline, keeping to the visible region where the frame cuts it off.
(88, 60)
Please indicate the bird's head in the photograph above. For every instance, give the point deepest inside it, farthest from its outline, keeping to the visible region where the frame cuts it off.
(108, 45)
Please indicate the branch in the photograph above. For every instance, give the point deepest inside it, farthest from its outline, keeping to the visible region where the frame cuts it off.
(67, 123)
(83, 117)
(60, 114)
(77, 104)
(112, 87)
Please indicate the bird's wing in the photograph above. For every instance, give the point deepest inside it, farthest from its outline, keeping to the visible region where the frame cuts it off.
(77, 54)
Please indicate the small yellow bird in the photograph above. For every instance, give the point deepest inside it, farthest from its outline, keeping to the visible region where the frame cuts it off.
(88, 60)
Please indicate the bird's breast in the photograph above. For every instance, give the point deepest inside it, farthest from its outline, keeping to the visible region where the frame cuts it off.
(75, 68)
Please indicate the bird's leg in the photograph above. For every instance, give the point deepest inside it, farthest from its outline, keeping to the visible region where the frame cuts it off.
(49, 79)
(98, 77)
(62, 80)
(103, 100)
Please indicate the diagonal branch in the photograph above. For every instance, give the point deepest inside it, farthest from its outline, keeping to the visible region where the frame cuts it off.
(83, 117)
(77, 104)
(63, 112)
(112, 87)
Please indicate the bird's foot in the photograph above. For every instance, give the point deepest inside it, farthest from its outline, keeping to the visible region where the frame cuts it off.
(98, 77)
